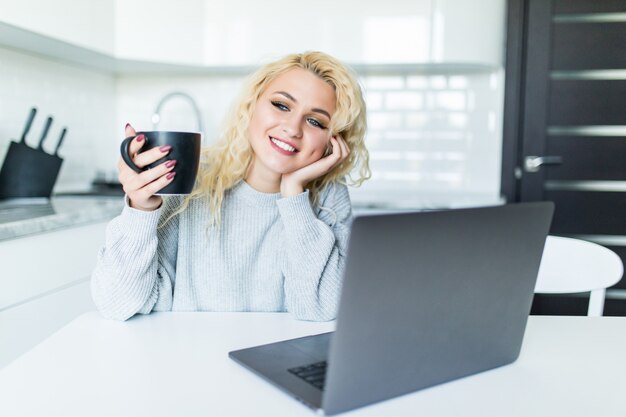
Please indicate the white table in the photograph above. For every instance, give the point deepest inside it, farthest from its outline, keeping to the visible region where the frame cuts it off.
(176, 364)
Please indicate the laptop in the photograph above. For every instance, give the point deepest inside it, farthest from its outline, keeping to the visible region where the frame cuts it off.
(427, 297)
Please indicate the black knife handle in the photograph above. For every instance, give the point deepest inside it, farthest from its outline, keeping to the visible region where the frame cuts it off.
(63, 132)
(29, 123)
(45, 132)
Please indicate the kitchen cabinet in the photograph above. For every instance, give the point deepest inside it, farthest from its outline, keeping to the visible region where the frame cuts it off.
(204, 36)
(25, 325)
(246, 32)
(88, 24)
(45, 278)
(467, 31)
(160, 31)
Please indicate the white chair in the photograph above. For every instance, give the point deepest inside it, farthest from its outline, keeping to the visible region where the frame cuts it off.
(574, 265)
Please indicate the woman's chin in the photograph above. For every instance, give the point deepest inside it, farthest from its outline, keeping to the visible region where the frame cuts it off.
(283, 167)
(279, 167)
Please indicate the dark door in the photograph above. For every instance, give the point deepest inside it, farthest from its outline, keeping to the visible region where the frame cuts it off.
(565, 124)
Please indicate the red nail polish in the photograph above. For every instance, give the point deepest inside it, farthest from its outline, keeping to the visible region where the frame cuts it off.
(140, 138)
(127, 124)
(165, 148)
(171, 163)
(170, 175)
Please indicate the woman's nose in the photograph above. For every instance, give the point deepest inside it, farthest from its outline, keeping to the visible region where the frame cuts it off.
(291, 126)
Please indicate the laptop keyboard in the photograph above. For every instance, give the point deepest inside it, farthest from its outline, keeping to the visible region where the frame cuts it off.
(314, 374)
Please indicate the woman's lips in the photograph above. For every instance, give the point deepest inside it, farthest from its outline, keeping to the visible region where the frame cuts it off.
(282, 147)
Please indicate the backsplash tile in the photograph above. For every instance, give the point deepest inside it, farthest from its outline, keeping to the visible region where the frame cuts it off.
(435, 139)
(80, 99)
(436, 142)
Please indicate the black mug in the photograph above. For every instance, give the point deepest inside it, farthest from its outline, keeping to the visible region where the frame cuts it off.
(185, 150)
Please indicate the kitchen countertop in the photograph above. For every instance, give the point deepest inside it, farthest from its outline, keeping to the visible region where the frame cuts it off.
(24, 217)
(28, 216)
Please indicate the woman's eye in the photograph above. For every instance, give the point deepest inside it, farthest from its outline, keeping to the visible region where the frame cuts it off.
(317, 123)
(279, 105)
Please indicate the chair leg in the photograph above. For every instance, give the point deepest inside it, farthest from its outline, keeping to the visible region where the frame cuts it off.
(596, 303)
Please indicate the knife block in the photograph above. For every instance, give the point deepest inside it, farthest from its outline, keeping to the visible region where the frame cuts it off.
(28, 172)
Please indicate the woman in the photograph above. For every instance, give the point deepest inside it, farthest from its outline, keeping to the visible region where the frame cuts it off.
(267, 224)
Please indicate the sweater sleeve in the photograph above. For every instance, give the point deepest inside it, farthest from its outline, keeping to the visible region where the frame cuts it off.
(135, 269)
(315, 252)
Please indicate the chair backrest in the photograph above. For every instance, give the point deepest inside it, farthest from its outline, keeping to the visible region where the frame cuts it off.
(573, 266)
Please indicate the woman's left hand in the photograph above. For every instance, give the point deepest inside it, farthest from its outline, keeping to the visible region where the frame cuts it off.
(293, 183)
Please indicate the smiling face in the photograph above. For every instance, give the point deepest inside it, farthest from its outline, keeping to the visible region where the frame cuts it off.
(289, 127)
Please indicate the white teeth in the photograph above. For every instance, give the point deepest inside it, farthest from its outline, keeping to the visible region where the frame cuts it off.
(283, 145)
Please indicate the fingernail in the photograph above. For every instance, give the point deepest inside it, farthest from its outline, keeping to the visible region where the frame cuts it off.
(165, 148)
(140, 138)
(170, 175)
(127, 125)
(171, 163)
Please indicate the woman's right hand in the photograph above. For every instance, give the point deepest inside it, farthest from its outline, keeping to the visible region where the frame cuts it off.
(141, 187)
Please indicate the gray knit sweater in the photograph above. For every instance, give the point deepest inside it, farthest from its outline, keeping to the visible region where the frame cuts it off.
(269, 254)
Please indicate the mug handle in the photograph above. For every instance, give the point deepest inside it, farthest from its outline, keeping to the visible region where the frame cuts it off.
(126, 157)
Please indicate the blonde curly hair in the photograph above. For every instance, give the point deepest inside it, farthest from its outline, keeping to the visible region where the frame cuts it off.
(226, 162)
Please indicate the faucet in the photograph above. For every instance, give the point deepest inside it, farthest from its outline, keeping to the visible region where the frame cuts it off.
(156, 116)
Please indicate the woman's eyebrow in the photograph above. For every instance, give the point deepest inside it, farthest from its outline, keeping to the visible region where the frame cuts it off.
(290, 97)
